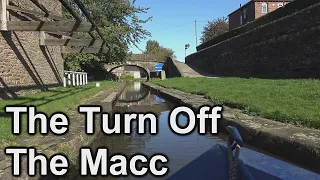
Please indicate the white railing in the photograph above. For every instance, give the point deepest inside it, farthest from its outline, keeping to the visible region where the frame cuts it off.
(72, 78)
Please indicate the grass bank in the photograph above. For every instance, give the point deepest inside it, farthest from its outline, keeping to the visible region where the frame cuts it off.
(55, 100)
(289, 101)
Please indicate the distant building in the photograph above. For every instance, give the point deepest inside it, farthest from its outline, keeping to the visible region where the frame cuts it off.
(252, 10)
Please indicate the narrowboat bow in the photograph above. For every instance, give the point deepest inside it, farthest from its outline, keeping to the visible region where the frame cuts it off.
(224, 162)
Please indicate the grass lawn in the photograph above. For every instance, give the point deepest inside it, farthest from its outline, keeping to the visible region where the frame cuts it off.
(55, 100)
(290, 101)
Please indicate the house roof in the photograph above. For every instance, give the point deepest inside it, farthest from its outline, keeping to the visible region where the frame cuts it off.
(252, 1)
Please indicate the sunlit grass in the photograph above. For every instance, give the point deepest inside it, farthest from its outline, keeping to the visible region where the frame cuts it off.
(55, 100)
(290, 101)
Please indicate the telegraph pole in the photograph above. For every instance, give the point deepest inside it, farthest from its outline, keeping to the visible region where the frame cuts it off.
(196, 31)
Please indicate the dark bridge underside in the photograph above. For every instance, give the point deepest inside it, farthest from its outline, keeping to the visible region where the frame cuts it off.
(140, 67)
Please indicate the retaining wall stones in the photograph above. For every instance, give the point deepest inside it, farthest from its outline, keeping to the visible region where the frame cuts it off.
(285, 48)
(171, 68)
(25, 66)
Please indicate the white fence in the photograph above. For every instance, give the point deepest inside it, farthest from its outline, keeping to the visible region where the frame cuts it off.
(72, 78)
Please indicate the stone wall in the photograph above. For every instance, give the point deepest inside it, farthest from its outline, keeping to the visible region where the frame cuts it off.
(171, 69)
(149, 66)
(286, 48)
(24, 65)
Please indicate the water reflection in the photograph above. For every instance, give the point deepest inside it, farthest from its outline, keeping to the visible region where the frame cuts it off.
(136, 94)
(180, 150)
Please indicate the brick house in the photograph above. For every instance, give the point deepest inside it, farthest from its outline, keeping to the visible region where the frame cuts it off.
(252, 10)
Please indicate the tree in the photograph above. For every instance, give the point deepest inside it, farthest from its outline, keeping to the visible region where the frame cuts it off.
(159, 52)
(120, 25)
(214, 28)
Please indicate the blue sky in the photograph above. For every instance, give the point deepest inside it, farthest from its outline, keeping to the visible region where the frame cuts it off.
(173, 23)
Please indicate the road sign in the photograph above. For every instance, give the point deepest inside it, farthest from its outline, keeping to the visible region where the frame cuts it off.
(158, 67)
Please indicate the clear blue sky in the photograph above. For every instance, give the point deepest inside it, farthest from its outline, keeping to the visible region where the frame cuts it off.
(173, 21)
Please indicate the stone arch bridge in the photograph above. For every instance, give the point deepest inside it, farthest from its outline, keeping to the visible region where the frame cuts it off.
(137, 63)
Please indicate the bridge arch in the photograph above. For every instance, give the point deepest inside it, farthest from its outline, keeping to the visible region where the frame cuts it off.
(134, 65)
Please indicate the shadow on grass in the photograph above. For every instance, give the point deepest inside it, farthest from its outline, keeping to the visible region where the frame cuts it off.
(42, 100)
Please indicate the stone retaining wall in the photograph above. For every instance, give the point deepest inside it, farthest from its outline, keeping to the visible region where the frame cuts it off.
(285, 48)
(171, 68)
(24, 65)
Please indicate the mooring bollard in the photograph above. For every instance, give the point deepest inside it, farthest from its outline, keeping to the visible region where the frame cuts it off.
(163, 75)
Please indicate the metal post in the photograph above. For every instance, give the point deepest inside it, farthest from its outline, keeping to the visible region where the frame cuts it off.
(196, 31)
(185, 53)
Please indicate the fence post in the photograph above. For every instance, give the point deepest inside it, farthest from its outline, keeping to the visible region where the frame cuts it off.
(64, 80)
(4, 15)
(73, 79)
(77, 79)
(80, 79)
(69, 78)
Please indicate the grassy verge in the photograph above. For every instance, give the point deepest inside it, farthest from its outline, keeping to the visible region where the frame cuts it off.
(55, 100)
(290, 101)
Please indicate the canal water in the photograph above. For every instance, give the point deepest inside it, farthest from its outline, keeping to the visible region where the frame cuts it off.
(180, 150)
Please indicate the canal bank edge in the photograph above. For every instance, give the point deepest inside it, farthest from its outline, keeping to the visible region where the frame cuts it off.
(68, 144)
(298, 145)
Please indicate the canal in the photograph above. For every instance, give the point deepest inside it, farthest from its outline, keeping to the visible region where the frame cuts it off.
(180, 150)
